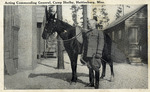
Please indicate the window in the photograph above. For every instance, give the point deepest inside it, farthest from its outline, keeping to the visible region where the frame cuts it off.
(113, 34)
(133, 35)
(119, 34)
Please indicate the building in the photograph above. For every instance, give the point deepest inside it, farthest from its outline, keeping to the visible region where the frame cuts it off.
(23, 27)
(130, 32)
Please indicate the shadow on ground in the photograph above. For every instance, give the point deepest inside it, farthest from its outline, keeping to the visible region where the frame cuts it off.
(47, 65)
(62, 76)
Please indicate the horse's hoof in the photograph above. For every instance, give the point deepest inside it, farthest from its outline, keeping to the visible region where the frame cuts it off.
(101, 78)
(90, 85)
(112, 79)
(72, 83)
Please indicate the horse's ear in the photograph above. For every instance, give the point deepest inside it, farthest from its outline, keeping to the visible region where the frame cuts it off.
(46, 13)
(53, 16)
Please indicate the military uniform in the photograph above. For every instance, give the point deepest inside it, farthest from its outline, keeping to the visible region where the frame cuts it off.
(93, 43)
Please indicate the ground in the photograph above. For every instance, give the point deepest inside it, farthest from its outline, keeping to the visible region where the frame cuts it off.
(47, 76)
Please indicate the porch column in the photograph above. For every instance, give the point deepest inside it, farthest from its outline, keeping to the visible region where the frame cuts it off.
(85, 16)
(60, 64)
(27, 38)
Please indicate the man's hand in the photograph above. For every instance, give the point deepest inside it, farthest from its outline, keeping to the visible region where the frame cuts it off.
(98, 55)
(84, 30)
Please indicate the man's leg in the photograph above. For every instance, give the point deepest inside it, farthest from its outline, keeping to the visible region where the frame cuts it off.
(96, 79)
(91, 77)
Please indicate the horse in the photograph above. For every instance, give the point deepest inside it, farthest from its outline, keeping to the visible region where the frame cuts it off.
(73, 46)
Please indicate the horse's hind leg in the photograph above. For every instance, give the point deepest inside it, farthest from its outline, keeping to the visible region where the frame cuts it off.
(103, 69)
(112, 71)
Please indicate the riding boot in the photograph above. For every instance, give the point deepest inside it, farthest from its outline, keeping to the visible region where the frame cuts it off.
(91, 78)
(96, 79)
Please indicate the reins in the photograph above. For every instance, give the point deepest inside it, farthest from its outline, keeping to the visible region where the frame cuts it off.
(71, 38)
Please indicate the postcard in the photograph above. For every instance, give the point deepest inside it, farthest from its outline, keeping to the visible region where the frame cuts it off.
(75, 45)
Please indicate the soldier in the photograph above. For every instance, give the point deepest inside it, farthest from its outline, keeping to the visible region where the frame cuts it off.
(93, 43)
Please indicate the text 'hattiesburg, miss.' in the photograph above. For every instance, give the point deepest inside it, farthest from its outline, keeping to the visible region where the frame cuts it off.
(51, 2)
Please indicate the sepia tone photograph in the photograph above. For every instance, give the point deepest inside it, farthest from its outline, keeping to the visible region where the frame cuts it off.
(75, 46)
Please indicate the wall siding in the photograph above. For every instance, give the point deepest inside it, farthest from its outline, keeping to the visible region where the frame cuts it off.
(139, 20)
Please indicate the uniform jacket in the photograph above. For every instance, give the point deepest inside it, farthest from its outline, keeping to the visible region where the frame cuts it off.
(93, 43)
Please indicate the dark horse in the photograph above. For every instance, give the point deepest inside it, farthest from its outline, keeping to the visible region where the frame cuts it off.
(72, 45)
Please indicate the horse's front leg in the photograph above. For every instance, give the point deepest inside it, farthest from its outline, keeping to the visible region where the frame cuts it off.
(73, 58)
(74, 71)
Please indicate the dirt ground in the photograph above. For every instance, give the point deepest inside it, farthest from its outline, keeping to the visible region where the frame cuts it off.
(47, 76)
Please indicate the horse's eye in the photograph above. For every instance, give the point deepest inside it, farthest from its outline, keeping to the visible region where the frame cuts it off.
(45, 29)
(65, 31)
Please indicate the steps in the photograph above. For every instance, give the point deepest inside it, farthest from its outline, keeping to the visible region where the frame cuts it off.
(135, 61)
(49, 54)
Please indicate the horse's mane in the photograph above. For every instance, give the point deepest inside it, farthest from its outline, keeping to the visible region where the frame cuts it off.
(64, 23)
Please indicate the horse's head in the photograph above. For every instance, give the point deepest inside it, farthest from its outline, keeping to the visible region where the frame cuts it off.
(64, 30)
(49, 27)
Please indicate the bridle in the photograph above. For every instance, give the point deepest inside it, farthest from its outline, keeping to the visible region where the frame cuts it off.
(74, 37)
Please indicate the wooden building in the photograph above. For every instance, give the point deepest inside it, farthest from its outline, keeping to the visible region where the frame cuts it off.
(130, 32)
(11, 29)
(22, 37)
